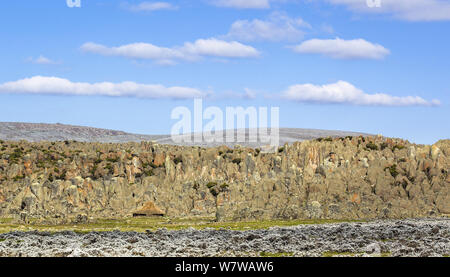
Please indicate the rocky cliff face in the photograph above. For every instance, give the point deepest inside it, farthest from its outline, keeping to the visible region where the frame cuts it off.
(339, 178)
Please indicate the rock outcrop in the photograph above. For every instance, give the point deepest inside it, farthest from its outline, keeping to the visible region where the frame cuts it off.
(338, 178)
(149, 209)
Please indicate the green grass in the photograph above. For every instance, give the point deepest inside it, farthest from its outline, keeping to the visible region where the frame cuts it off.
(141, 224)
(276, 255)
(5, 220)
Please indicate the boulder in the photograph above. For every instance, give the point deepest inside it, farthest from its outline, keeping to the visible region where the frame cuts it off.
(149, 209)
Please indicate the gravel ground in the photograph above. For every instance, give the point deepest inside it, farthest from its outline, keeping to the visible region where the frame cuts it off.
(412, 237)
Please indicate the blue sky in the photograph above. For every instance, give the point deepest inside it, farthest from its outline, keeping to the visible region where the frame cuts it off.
(328, 64)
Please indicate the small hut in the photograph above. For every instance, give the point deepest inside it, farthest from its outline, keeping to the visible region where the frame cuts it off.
(149, 209)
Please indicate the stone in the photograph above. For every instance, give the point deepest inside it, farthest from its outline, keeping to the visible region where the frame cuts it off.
(149, 209)
(220, 214)
(373, 248)
(315, 210)
(81, 218)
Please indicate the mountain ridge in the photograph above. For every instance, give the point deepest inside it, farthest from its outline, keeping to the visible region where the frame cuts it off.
(35, 132)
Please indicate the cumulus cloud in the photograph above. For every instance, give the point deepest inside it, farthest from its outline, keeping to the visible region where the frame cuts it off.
(60, 86)
(41, 60)
(219, 48)
(189, 51)
(411, 10)
(242, 4)
(343, 49)
(150, 6)
(345, 93)
(277, 27)
(134, 51)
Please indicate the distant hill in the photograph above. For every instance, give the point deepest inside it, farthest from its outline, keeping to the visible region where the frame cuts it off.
(35, 132)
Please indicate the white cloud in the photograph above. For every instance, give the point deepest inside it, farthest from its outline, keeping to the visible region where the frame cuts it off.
(41, 60)
(60, 86)
(343, 49)
(277, 27)
(345, 93)
(151, 6)
(134, 51)
(189, 51)
(411, 10)
(242, 4)
(219, 48)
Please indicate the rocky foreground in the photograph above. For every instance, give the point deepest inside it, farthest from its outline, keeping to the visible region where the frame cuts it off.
(424, 237)
(328, 178)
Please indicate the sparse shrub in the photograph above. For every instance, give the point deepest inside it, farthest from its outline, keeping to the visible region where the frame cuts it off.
(112, 160)
(18, 178)
(149, 172)
(16, 155)
(214, 189)
(97, 161)
(196, 186)
(93, 170)
(236, 160)
(393, 170)
(211, 184)
(329, 139)
(397, 146)
(178, 160)
(371, 146)
(224, 186)
(444, 173)
(383, 145)
(62, 176)
(110, 168)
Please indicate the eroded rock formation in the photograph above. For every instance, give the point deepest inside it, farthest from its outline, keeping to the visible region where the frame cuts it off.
(339, 178)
